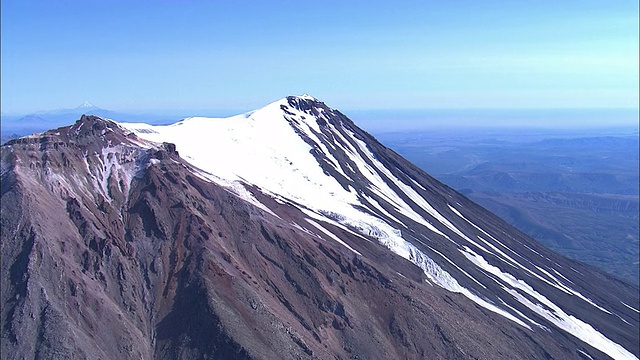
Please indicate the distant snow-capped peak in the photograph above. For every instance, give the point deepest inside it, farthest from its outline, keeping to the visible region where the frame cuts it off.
(86, 105)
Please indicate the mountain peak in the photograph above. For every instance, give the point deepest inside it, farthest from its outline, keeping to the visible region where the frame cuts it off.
(85, 105)
(287, 231)
(303, 98)
(307, 103)
(307, 97)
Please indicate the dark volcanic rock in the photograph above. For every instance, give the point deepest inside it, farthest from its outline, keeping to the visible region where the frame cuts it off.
(115, 250)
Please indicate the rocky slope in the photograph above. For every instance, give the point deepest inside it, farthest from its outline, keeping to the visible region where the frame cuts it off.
(116, 245)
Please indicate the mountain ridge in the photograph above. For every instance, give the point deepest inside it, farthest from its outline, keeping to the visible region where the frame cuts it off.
(154, 192)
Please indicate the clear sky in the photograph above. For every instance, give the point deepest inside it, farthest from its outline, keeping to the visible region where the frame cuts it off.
(132, 55)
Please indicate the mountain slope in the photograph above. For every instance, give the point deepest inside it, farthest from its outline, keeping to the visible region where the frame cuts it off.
(283, 233)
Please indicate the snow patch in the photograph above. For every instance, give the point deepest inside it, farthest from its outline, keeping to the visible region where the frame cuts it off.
(550, 311)
(630, 307)
(331, 235)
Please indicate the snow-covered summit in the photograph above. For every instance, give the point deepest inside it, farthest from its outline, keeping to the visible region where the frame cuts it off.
(302, 153)
(260, 147)
(85, 105)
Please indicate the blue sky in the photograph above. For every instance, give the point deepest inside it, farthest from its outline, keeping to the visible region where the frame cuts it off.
(161, 55)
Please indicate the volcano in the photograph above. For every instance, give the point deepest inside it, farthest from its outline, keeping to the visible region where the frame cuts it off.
(283, 233)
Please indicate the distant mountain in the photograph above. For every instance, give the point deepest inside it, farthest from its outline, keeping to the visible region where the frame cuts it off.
(86, 105)
(283, 233)
(13, 126)
(80, 109)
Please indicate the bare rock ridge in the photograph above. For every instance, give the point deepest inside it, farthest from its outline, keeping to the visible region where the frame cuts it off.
(137, 241)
